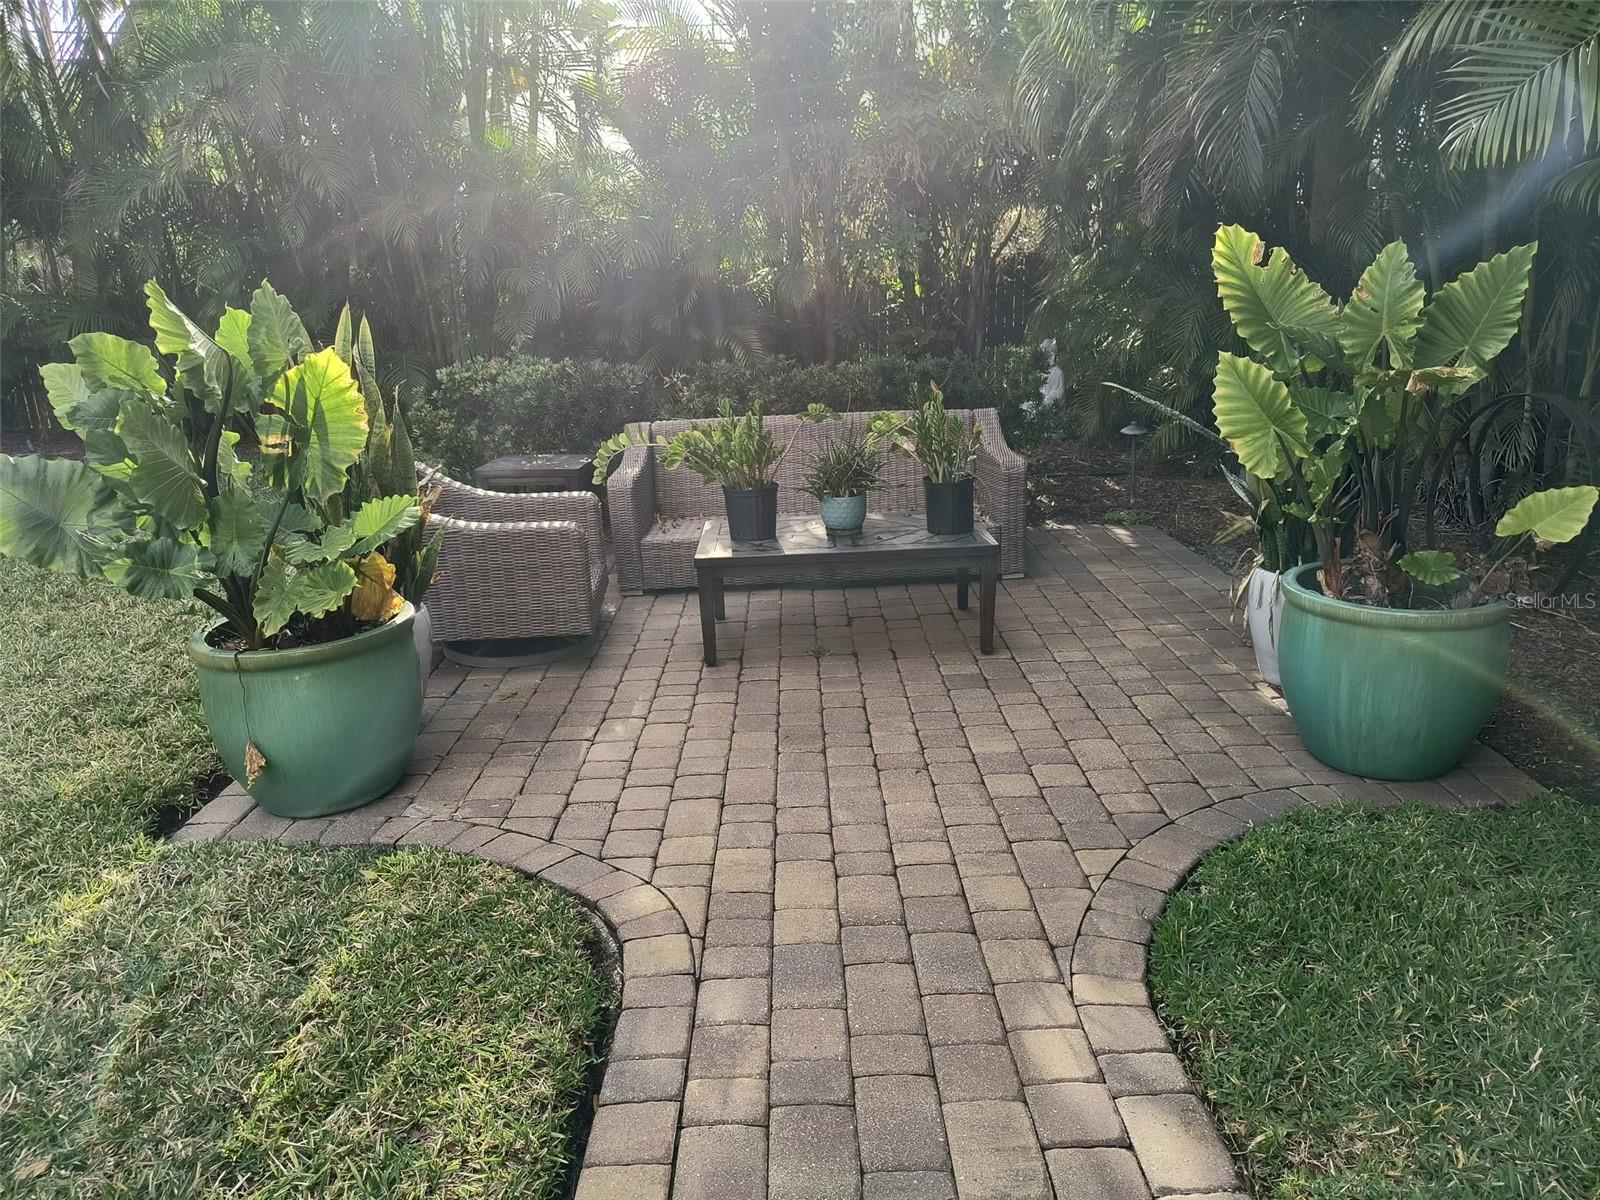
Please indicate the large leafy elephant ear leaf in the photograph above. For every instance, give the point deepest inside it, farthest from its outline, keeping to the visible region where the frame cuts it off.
(159, 569)
(233, 335)
(203, 365)
(373, 524)
(57, 514)
(164, 475)
(377, 521)
(276, 336)
(1553, 516)
(109, 361)
(1323, 472)
(238, 532)
(90, 412)
(1471, 319)
(1278, 311)
(322, 400)
(1384, 311)
(1329, 411)
(285, 590)
(80, 407)
(1256, 417)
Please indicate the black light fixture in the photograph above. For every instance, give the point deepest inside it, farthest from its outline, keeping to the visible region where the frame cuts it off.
(1133, 432)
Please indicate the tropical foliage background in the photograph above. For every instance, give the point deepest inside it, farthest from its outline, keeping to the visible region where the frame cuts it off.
(666, 182)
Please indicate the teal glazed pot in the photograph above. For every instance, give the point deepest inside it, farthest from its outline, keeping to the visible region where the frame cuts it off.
(335, 722)
(1388, 693)
(843, 514)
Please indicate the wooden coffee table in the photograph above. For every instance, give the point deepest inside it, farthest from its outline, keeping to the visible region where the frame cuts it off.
(803, 549)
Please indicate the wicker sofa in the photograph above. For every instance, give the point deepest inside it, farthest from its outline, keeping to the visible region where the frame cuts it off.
(657, 514)
(515, 564)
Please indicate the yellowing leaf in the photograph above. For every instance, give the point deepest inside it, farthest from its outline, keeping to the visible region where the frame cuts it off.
(375, 598)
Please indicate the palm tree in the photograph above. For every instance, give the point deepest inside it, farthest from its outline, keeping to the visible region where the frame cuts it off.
(1162, 120)
(1522, 86)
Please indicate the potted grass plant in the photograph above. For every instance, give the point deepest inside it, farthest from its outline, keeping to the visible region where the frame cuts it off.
(308, 680)
(1392, 656)
(840, 477)
(945, 446)
(738, 453)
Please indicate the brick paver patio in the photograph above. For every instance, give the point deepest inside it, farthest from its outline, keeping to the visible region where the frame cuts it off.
(883, 901)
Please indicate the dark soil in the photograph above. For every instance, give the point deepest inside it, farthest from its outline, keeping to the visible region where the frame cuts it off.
(1082, 481)
(301, 631)
(1548, 721)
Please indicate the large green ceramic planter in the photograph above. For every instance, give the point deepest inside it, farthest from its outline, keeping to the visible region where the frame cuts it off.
(1388, 693)
(335, 722)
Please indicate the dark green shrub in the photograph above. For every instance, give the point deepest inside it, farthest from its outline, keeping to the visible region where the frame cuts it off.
(1004, 378)
(482, 408)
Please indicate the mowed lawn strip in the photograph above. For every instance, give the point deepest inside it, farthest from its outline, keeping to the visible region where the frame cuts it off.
(250, 1021)
(1396, 1004)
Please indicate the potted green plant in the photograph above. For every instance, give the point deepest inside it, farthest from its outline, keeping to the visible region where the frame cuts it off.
(308, 681)
(1391, 657)
(739, 454)
(841, 475)
(945, 446)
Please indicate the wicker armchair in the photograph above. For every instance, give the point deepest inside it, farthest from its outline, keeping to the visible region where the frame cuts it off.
(515, 565)
(657, 514)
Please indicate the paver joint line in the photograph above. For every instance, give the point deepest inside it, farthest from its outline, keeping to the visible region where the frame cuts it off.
(883, 902)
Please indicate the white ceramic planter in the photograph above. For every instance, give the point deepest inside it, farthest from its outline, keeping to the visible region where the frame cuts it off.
(1263, 608)
(422, 634)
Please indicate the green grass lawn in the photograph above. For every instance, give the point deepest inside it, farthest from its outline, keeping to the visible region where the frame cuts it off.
(1399, 1004)
(250, 1021)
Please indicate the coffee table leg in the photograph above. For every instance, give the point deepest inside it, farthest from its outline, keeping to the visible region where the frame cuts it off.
(708, 616)
(961, 588)
(986, 589)
(722, 602)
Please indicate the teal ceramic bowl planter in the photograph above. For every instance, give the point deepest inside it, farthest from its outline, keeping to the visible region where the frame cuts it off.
(1388, 693)
(843, 514)
(335, 722)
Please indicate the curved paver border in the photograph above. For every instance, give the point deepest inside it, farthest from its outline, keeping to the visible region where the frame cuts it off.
(1174, 1135)
(633, 1138)
(881, 863)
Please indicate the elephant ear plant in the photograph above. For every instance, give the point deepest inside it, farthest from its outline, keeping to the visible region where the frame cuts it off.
(162, 503)
(1339, 410)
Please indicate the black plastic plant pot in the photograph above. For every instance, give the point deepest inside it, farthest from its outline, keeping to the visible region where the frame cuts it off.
(752, 513)
(949, 505)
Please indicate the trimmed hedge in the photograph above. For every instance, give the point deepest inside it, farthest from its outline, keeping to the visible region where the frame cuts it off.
(481, 408)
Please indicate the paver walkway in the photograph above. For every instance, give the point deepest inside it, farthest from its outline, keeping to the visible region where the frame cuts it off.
(884, 901)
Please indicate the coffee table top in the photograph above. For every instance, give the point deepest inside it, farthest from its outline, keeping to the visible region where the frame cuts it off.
(805, 539)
